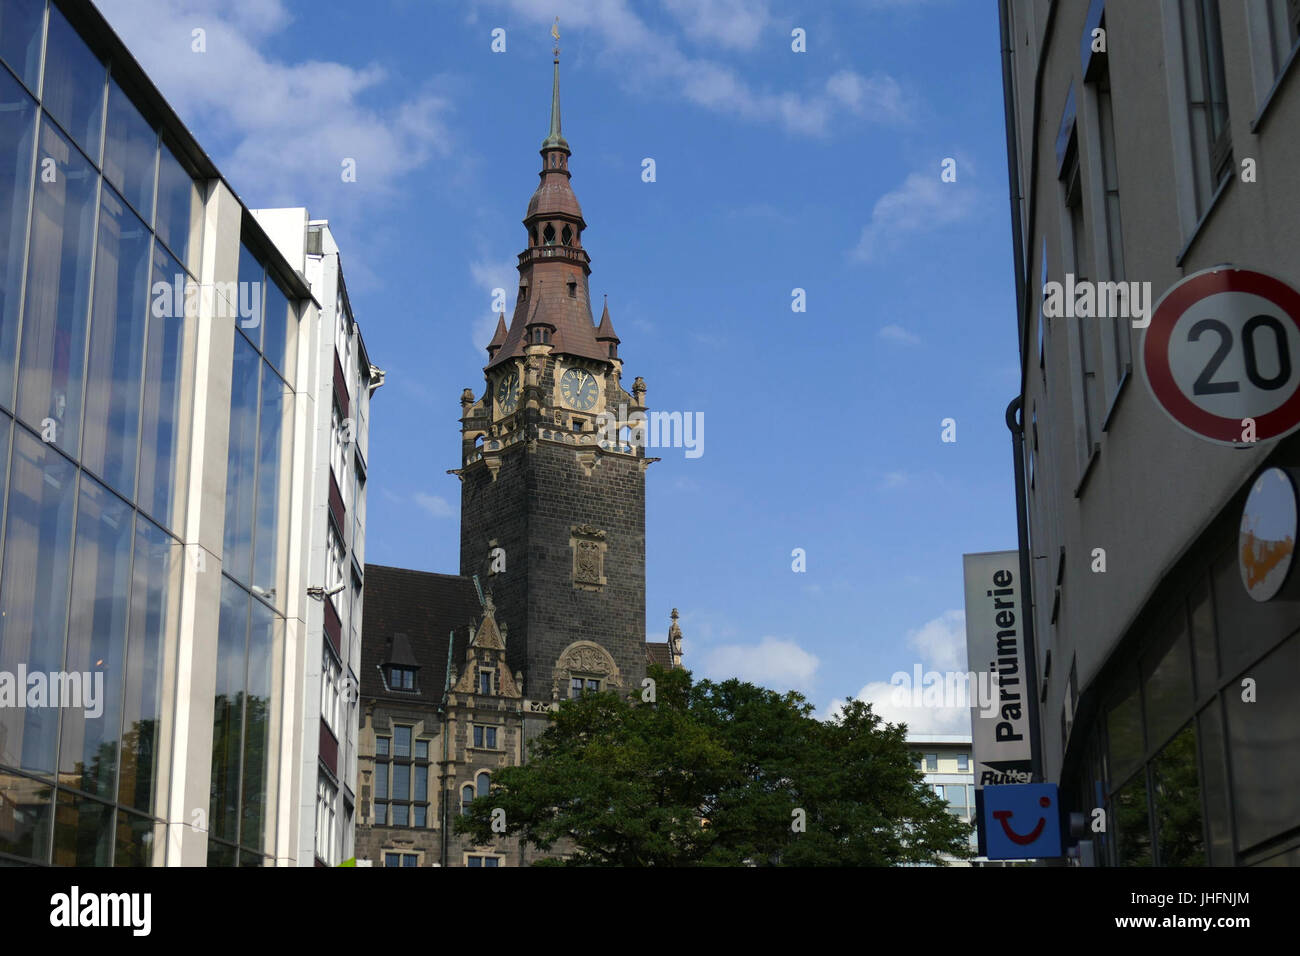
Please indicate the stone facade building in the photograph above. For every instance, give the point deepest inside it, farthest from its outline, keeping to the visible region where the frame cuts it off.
(459, 672)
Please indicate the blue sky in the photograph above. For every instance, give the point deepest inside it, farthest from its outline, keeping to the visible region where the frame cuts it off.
(775, 170)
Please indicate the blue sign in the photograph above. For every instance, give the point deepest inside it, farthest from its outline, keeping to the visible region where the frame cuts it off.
(1021, 821)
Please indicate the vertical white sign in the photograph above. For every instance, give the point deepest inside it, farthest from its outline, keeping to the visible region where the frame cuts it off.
(995, 646)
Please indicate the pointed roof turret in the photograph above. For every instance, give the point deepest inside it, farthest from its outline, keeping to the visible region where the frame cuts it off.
(605, 332)
(498, 337)
(555, 139)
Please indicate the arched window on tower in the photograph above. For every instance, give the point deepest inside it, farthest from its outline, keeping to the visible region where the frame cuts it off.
(484, 782)
(566, 236)
(548, 235)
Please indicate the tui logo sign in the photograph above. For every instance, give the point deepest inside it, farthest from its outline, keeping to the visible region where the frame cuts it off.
(1021, 821)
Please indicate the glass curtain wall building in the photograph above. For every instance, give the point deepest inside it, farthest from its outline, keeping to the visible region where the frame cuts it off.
(157, 456)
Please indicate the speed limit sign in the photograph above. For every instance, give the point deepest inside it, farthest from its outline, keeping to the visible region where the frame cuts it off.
(1222, 355)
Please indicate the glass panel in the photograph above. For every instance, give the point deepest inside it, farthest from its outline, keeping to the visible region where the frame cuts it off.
(1214, 777)
(1181, 840)
(1132, 822)
(97, 639)
(228, 711)
(492, 737)
(155, 612)
(257, 734)
(955, 794)
(932, 762)
(392, 859)
(270, 537)
(116, 345)
(1207, 666)
(483, 782)
(74, 84)
(491, 861)
(219, 854)
(1167, 694)
(475, 861)
(135, 835)
(421, 784)
(58, 292)
(130, 151)
(1246, 628)
(381, 781)
(180, 211)
(17, 127)
(252, 295)
(25, 807)
(381, 746)
(160, 424)
(237, 557)
(20, 37)
(279, 340)
(401, 781)
(400, 813)
(1124, 732)
(409, 859)
(421, 816)
(422, 750)
(1261, 740)
(34, 591)
(83, 831)
(251, 859)
(401, 741)
(478, 736)
(381, 814)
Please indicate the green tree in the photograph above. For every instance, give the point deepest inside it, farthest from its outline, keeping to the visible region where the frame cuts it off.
(721, 774)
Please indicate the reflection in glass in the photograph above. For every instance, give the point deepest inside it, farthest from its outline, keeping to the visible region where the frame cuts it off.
(83, 831)
(33, 591)
(97, 638)
(1181, 840)
(1207, 665)
(155, 604)
(237, 557)
(58, 292)
(25, 807)
(116, 345)
(179, 214)
(1124, 734)
(1167, 690)
(219, 854)
(270, 537)
(252, 296)
(160, 424)
(1214, 777)
(228, 712)
(1133, 823)
(135, 840)
(281, 328)
(130, 151)
(74, 84)
(17, 127)
(257, 721)
(20, 37)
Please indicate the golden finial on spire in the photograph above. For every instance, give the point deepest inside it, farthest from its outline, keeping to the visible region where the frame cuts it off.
(555, 33)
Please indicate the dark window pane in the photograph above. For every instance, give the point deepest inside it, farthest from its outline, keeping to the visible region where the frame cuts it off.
(101, 570)
(228, 711)
(421, 784)
(161, 419)
(401, 741)
(381, 746)
(1214, 777)
(257, 734)
(381, 814)
(1133, 823)
(492, 737)
(33, 591)
(83, 831)
(1261, 740)
(409, 859)
(478, 736)
(421, 816)
(381, 781)
(400, 813)
(155, 612)
(116, 345)
(1246, 628)
(1181, 840)
(281, 329)
(251, 859)
(475, 861)
(484, 781)
(219, 854)
(130, 151)
(252, 295)
(275, 440)
(392, 859)
(491, 861)
(17, 127)
(20, 37)
(135, 840)
(422, 750)
(1124, 732)
(58, 292)
(241, 462)
(25, 807)
(179, 214)
(401, 781)
(1207, 666)
(1167, 691)
(74, 84)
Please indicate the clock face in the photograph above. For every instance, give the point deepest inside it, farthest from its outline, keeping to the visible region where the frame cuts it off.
(508, 393)
(579, 389)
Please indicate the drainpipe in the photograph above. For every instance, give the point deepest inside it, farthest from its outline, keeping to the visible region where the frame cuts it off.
(442, 713)
(1015, 422)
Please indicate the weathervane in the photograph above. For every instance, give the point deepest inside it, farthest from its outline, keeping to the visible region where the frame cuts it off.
(555, 33)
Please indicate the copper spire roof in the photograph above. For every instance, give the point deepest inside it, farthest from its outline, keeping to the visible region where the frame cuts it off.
(606, 331)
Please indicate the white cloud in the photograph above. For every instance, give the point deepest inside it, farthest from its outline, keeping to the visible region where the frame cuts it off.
(922, 203)
(898, 335)
(736, 24)
(894, 479)
(489, 275)
(771, 662)
(285, 126)
(435, 505)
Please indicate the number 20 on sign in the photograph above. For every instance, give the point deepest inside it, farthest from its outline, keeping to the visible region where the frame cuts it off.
(1224, 346)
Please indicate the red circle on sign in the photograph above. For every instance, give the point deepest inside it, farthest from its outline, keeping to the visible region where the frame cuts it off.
(1159, 374)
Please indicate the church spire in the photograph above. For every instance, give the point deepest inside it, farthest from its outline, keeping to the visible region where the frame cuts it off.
(555, 139)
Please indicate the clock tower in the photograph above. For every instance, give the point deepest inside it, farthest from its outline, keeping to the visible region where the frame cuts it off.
(552, 505)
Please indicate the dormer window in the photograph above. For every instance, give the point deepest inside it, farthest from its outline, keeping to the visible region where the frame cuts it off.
(401, 678)
(485, 682)
(573, 288)
(613, 350)
(539, 336)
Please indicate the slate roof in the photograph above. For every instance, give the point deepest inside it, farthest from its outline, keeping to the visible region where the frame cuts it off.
(408, 617)
(658, 652)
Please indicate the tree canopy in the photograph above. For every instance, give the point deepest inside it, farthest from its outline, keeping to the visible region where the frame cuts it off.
(721, 774)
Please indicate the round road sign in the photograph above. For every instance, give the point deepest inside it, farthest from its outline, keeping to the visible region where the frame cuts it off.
(1222, 355)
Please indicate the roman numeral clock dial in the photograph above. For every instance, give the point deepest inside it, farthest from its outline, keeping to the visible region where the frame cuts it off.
(579, 389)
(507, 393)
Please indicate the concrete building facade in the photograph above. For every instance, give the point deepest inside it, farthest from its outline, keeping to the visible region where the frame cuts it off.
(1149, 142)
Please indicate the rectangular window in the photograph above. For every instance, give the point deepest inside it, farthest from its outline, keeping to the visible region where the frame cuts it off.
(17, 128)
(381, 746)
(75, 80)
(178, 218)
(1283, 21)
(1207, 99)
(422, 750)
(485, 682)
(401, 741)
(21, 23)
(1082, 335)
(963, 763)
(932, 762)
(130, 152)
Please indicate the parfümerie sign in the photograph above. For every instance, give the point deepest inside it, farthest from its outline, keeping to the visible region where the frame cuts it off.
(995, 646)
